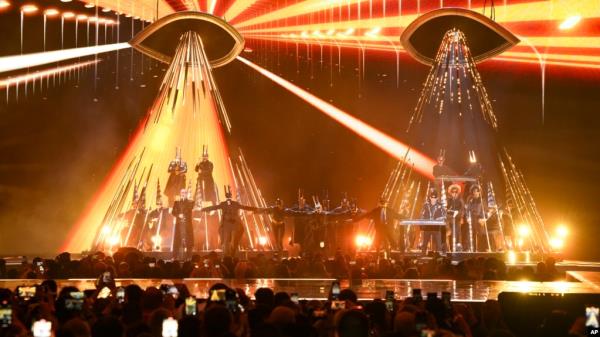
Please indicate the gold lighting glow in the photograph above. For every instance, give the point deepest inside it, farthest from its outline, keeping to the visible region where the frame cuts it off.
(187, 114)
(29, 8)
(570, 22)
(4, 4)
(32, 76)
(51, 12)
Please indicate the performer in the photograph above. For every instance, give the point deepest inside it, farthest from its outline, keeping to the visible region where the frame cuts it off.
(134, 219)
(183, 236)
(278, 214)
(499, 226)
(382, 217)
(475, 215)
(176, 182)
(342, 231)
(158, 225)
(432, 210)
(440, 169)
(232, 227)
(205, 184)
(302, 219)
(455, 212)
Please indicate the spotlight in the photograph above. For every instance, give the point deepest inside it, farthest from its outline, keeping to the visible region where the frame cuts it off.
(557, 243)
(105, 230)
(373, 32)
(114, 240)
(51, 12)
(82, 17)
(106, 10)
(362, 240)
(512, 257)
(89, 5)
(262, 240)
(330, 32)
(29, 8)
(92, 19)
(66, 0)
(68, 15)
(570, 22)
(4, 4)
(524, 231)
(562, 231)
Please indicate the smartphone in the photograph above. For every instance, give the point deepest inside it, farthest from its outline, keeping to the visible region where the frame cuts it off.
(389, 300)
(107, 277)
(26, 293)
(335, 290)
(151, 264)
(217, 295)
(104, 293)
(416, 295)
(592, 316)
(121, 294)
(231, 301)
(5, 315)
(42, 328)
(190, 306)
(75, 302)
(170, 327)
(294, 297)
(338, 305)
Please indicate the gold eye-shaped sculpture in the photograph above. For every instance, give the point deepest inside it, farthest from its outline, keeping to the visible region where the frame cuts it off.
(486, 38)
(222, 43)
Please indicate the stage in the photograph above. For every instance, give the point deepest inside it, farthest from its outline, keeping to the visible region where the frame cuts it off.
(580, 282)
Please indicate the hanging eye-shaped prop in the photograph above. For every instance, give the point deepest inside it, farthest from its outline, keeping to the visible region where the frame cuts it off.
(485, 37)
(222, 43)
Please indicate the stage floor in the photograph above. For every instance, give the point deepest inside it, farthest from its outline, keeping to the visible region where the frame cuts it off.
(462, 291)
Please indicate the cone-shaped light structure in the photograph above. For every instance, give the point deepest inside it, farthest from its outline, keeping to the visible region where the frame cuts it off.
(454, 119)
(186, 122)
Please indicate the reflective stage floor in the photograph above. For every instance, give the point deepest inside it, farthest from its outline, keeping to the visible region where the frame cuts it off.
(462, 291)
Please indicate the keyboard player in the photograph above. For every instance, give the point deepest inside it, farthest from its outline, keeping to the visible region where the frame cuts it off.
(432, 210)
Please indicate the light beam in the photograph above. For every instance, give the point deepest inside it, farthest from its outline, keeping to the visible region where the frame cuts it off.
(10, 63)
(398, 150)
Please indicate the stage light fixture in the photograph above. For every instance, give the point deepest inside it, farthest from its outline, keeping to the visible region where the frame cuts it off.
(562, 231)
(362, 240)
(66, 0)
(105, 230)
(512, 257)
(82, 17)
(4, 4)
(68, 15)
(570, 22)
(51, 12)
(557, 243)
(29, 8)
(262, 240)
(524, 231)
(89, 5)
(106, 10)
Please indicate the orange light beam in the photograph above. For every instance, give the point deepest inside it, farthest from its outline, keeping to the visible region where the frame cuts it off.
(395, 148)
(10, 63)
(40, 74)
